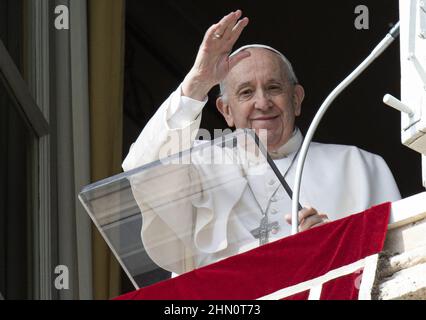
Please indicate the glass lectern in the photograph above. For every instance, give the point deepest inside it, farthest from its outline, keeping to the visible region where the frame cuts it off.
(189, 209)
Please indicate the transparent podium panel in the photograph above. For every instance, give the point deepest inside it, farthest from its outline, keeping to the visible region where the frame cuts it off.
(187, 210)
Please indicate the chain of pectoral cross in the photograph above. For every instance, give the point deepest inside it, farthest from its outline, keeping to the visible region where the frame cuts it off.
(262, 232)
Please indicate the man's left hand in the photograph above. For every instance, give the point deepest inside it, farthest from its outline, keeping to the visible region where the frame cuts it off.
(309, 218)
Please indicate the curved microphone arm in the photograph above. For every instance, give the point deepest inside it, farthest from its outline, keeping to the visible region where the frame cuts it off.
(378, 50)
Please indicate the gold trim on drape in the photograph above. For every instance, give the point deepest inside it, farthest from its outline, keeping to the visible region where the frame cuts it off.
(106, 74)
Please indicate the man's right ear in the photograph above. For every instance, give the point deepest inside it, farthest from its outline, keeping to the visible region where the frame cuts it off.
(225, 110)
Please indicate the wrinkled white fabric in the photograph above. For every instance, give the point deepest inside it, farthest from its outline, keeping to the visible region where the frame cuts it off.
(193, 216)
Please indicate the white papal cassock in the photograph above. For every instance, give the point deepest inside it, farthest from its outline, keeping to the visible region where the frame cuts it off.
(208, 224)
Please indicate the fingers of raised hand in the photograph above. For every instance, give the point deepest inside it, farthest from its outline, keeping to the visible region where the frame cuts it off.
(237, 29)
(227, 29)
(235, 26)
(225, 25)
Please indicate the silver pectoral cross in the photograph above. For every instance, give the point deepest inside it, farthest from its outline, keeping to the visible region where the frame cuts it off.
(262, 233)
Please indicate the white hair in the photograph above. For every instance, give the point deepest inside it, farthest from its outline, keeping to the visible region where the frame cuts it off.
(290, 74)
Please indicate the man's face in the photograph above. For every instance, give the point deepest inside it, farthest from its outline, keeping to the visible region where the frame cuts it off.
(259, 95)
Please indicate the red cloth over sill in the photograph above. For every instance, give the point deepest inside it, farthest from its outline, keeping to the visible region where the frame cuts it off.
(283, 263)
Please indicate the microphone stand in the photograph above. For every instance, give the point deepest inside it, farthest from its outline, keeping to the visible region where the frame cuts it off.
(378, 50)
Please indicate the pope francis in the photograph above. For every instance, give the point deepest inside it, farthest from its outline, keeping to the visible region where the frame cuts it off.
(259, 90)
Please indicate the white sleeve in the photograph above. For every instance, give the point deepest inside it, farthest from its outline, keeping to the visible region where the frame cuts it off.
(184, 112)
(172, 129)
(162, 193)
(385, 188)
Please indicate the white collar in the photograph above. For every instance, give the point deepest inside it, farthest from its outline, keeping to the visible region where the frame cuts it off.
(290, 146)
(255, 164)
